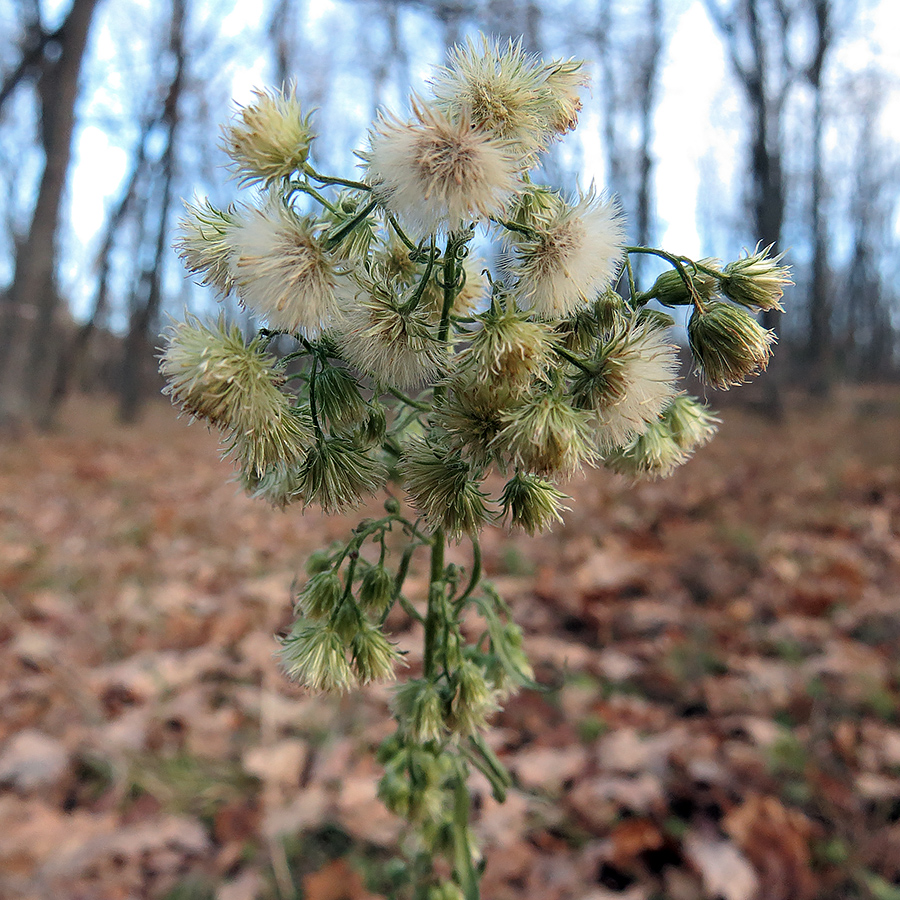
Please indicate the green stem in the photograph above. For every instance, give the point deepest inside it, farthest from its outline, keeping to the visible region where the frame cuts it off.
(474, 578)
(579, 363)
(400, 232)
(329, 179)
(415, 404)
(312, 192)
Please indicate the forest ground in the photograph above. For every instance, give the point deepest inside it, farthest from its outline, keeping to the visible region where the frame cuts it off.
(723, 716)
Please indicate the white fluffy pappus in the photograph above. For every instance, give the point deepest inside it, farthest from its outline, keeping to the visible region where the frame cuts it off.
(397, 348)
(283, 272)
(574, 253)
(436, 173)
(639, 373)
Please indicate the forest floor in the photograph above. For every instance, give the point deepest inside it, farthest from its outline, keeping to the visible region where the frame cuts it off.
(723, 717)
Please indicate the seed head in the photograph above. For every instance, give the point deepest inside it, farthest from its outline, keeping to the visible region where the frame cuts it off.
(437, 173)
(337, 474)
(500, 90)
(282, 270)
(573, 255)
(508, 350)
(374, 659)
(395, 346)
(206, 245)
(631, 378)
(690, 421)
(269, 139)
(546, 435)
(652, 454)
(314, 654)
(443, 488)
(215, 376)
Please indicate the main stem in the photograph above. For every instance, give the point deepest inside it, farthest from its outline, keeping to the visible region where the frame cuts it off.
(438, 538)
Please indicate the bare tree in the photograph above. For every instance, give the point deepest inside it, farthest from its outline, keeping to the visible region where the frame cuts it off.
(146, 297)
(52, 61)
(757, 38)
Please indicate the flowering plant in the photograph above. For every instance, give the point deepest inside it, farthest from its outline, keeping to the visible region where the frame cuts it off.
(418, 368)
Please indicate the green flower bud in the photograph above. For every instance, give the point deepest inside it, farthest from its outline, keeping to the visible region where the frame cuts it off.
(531, 503)
(392, 506)
(374, 658)
(756, 280)
(671, 290)
(728, 344)
(320, 595)
(610, 311)
(419, 708)
(376, 590)
(442, 487)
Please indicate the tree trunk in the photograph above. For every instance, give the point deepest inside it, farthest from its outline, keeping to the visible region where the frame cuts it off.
(26, 331)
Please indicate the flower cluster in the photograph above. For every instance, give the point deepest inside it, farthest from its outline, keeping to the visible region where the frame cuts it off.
(413, 365)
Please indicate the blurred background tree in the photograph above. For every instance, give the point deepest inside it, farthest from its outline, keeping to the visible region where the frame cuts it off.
(109, 112)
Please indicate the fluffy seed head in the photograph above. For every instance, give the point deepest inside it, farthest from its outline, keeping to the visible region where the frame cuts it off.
(214, 375)
(652, 454)
(282, 270)
(631, 378)
(563, 82)
(573, 254)
(320, 595)
(206, 245)
(269, 139)
(394, 346)
(499, 89)
(728, 344)
(437, 173)
(756, 280)
(546, 435)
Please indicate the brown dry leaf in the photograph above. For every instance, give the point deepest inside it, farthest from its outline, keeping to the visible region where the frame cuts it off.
(336, 881)
(776, 840)
(725, 871)
(633, 837)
